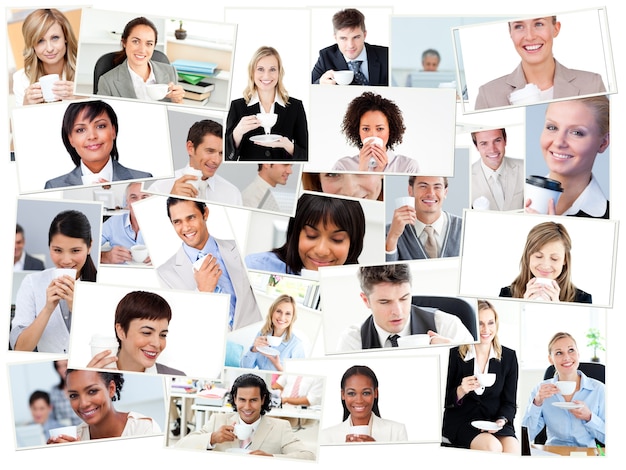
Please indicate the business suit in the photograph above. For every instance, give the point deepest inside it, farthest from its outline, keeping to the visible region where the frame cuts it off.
(117, 81)
(383, 430)
(567, 82)
(512, 179)
(273, 436)
(177, 273)
(331, 58)
(75, 177)
(497, 401)
(33, 264)
(291, 123)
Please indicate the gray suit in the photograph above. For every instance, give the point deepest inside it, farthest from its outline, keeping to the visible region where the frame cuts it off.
(74, 177)
(117, 81)
(512, 179)
(177, 273)
(567, 82)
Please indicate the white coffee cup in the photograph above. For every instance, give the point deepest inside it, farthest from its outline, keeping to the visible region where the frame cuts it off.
(405, 201)
(267, 120)
(65, 430)
(376, 140)
(359, 430)
(528, 95)
(157, 91)
(481, 203)
(274, 340)
(486, 380)
(46, 82)
(60, 272)
(139, 253)
(343, 77)
(100, 343)
(413, 341)
(189, 170)
(566, 387)
(544, 281)
(540, 190)
(243, 431)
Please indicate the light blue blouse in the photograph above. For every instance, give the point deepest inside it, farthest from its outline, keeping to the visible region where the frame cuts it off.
(287, 349)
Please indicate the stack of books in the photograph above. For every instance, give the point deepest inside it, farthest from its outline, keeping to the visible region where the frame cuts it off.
(194, 75)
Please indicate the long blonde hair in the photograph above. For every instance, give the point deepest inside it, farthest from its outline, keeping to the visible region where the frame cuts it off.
(34, 28)
(268, 327)
(497, 347)
(265, 51)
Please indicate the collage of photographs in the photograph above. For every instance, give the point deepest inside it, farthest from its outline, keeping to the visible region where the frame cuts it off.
(370, 233)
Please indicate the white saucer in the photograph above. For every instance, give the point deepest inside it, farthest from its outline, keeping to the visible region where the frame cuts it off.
(486, 425)
(567, 405)
(237, 450)
(268, 350)
(265, 138)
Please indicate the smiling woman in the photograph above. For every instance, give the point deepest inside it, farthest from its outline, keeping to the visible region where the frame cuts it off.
(89, 133)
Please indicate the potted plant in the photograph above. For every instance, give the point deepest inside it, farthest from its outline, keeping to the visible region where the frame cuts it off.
(180, 33)
(595, 342)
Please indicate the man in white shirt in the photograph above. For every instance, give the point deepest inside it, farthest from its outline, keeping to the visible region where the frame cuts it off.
(386, 291)
(425, 230)
(258, 194)
(205, 149)
(495, 178)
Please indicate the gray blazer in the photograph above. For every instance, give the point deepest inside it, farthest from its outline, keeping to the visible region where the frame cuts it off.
(567, 82)
(512, 183)
(177, 273)
(117, 81)
(74, 177)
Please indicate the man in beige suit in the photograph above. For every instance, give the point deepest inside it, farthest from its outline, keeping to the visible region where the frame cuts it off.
(270, 437)
(498, 179)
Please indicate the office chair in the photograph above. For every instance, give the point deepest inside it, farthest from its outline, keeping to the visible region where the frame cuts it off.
(105, 63)
(453, 305)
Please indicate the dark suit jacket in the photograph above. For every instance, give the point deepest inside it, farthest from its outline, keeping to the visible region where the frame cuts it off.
(580, 295)
(291, 123)
(497, 401)
(33, 264)
(163, 369)
(331, 58)
(74, 177)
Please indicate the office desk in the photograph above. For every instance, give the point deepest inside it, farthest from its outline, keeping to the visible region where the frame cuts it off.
(566, 450)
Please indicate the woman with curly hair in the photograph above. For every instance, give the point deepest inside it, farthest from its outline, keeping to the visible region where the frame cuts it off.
(375, 125)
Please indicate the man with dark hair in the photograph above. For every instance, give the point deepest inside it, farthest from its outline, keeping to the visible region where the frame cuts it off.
(496, 178)
(41, 411)
(258, 194)
(206, 151)
(386, 291)
(22, 261)
(369, 63)
(425, 230)
(206, 263)
(270, 437)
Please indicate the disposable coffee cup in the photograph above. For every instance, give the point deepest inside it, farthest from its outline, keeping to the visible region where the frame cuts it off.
(343, 77)
(528, 95)
(193, 172)
(405, 201)
(139, 253)
(46, 82)
(359, 430)
(65, 430)
(100, 343)
(540, 190)
(413, 341)
(243, 431)
(566, 387)
(60, 272)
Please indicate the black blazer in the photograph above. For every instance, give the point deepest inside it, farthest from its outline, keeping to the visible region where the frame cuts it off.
(331, 58)
(497, 401)
(33, 264)
(580, 295)
(291, 123)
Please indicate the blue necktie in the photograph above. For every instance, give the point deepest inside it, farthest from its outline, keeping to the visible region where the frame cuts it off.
(359, 77)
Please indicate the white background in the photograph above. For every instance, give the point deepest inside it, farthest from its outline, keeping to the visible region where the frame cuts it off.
(148, 452)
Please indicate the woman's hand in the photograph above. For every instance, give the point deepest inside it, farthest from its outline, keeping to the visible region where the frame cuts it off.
(61, 288)
(500, 423)
(102, 359)
(545, 391)
(530, 210)
(372, 152)
(33, 94)
(583, 413)
(63, 90)
(175, 92)
(259, 342)
(246, 124)
(359, 438)
(62, 439)
(536, 290)
(275, 360)
(283, 143)
(468, 384)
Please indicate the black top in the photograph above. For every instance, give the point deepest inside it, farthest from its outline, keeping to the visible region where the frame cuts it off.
(581, 296)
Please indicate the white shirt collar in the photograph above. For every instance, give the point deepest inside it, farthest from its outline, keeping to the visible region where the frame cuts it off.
(488, 171)
(19, 266)
(139, 85)
(277, 99)
(92, 178)
(384, 335)
(438, 225)
(592, 200)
